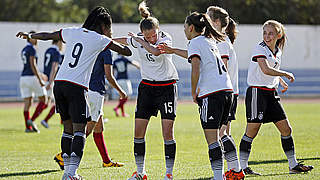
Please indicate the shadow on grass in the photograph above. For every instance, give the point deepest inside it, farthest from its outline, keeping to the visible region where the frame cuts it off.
(279, 161)
(26, 173)
(203, 178)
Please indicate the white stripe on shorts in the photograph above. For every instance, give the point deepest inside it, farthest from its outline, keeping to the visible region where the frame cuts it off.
(254, 107)
(204, 109)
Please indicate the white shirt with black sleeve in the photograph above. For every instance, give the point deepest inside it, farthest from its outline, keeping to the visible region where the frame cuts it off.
(82, 49)
(213, 74)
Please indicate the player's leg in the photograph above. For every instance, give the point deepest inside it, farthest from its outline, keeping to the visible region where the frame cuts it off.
(26, 94)
(127, 87)
(140, 128)
(27, 104)
(169, 145)
(66, 143)
(41, 93)
(288, 148)
(52, 109)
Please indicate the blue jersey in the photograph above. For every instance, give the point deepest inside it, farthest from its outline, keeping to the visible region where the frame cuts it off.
(26, 53)
(97, 80)
(51, 55)
(121, 66)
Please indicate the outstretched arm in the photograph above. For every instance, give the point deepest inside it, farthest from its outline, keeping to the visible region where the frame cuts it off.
(124, 50)
(150, 48)
(268, 70)
(112, 81)
(41, 36)
(122, 40)
(165, 49)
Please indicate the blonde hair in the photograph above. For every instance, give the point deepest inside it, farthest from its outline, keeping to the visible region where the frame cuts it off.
(280, 30)
(147, 22)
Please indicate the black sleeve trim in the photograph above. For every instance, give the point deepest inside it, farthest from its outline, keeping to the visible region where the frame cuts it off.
(255, 58)
(132, 43)
(193, 55)
(60, 34)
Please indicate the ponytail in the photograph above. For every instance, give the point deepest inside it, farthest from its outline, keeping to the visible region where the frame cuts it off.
(147, 22)
(202, 22)
(231, 30)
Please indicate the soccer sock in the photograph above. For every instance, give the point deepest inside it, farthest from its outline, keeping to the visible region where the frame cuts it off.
(245, 148)
(50, 114)
(288, 148)
(66, 141)
(230, 153)
(139, 153)
(77, 152)
(26, 115)
(215, 156)
(40, 107)
(170, 154)
(121, 105)
(99, 140)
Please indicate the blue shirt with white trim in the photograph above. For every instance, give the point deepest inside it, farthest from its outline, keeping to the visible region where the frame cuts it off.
(121, 66)
(26, 53)
(51, 55)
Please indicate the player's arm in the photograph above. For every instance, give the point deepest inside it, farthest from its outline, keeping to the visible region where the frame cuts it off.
(195, 74)
(150, 48)
(165, 49)
(112, 81)
(35, 70)
(122, 40)
(268, 70)
(41, 36)
(54, 69)
(124, 50)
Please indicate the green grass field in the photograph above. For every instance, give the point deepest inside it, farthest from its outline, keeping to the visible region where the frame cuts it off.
(30, 156)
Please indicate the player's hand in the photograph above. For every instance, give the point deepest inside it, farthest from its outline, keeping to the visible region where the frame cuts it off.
(284, 85)
(41, 83)
(134, 36)
(194, 98)
(22, 35)
(290, 76)
(48, 87)
(165, 49)
(123, 95)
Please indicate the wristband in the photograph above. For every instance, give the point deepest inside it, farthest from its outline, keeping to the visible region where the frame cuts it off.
(29, 36)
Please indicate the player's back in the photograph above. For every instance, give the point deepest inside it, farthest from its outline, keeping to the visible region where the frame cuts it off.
(26, 53)
(51, 55)
(82, 49)
(121, 66)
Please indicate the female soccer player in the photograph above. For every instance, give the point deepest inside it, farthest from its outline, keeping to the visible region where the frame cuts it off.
(262, 100)
(82, 48)
(157, 90)
(226, 25)
(211, 86)
(31, 84)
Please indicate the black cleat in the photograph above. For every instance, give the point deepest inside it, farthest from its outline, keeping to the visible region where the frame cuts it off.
(249, 171)
(300, 168)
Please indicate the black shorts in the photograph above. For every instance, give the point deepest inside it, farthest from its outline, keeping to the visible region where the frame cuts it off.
(71, 102)
(154, 96)
(233, 109)
(263, 105)
(214, 109)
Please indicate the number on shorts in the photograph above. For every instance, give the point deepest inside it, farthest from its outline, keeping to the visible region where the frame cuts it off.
(168, 107)
(76, 52)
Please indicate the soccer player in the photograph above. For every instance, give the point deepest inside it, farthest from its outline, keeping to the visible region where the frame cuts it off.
(83, 44)
(121, 67)
(31, 84)
(97, 90)
(157, 90)
(52, 59)
(226, 25)
(262, 100)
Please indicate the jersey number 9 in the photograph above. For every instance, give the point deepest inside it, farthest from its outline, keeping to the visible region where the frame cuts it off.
(76, 52)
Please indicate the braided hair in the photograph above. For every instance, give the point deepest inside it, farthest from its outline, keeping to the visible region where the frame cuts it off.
(97, 17)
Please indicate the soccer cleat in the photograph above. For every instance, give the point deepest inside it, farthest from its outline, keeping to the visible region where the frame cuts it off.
(138, 176)
(44, 124)
(300, 168)
(168, 177)
(249, 171)
(27, 130)
(116, 111)
(233, 175)
(58, 158)
(112, 164)
(75, 177)
(125, 115)
(34, 127)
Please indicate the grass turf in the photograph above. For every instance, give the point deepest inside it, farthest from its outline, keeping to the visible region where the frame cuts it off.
(30, 156)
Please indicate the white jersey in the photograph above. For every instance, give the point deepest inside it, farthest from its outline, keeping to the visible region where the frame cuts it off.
(213, 74)
(255, 75)
(226, 50)
(155, 68)
(82, 49)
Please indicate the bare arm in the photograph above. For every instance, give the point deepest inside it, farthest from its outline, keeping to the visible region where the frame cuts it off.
(225, 61)
(268, 70)
(122, 40)
(35, 70)
(284, 85)
(41, 36)
(195, 74)
(124, 50)
(54, 69)
(150, 48)
(112, 81)
(164, 48)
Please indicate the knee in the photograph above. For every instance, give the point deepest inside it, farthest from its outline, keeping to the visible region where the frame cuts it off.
(287, 131)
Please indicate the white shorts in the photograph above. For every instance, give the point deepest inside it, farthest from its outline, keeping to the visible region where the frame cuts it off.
(30, 87)
(125, 84)
(96, 101)
(50, 91)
